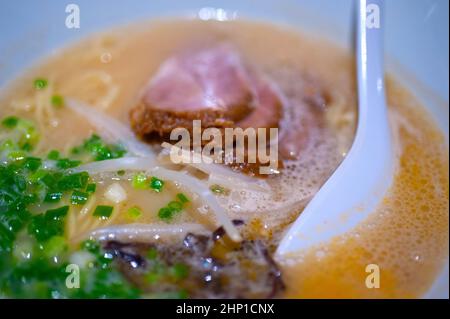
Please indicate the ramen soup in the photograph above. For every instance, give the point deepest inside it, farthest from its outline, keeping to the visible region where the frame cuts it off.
(93, 205)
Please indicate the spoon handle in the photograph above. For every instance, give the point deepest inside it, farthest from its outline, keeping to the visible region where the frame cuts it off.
(370, 61)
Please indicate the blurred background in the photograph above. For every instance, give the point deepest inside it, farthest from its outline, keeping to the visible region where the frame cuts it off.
(417, 31)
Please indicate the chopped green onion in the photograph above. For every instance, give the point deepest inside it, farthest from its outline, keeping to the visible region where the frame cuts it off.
(49, 179)
(79, 198)
(66, 163)
(103, 211)
(17, 155)
(101, 151)
(38, 175)
(32, 163)
(175, 206)
(53, 197)
(156, 184)
(57, 212)
(57, 100)
(55, 246)
(73, 181)
(40, 83)
(76, 150)
(139, 181)
(165, 213)
(134, 212)
(10, 122)
(45, 226)
(90, 188)
(53, 155)
(26, 135)
(182, 198)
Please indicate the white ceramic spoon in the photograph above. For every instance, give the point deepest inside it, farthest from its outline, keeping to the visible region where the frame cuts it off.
(360, 182)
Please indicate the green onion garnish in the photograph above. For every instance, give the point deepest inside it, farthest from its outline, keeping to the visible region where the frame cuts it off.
(10, 121)
(17, 155)
(175, 206)
(65, 163)
(79, 198)
(73, 181)
(165, 213)
(182, 198)
(53, 155)
(134, 212)
(40, 83)
(53, 197)
(103, 211)
(45, 226)
(90, 188)
(156, 184)
(139, 181)
(32, 163)
(55, 246)
(57, 100)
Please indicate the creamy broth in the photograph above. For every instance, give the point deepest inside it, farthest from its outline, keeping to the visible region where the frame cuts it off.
(109, 70)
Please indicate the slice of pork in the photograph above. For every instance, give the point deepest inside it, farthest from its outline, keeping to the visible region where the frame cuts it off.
(208, 84)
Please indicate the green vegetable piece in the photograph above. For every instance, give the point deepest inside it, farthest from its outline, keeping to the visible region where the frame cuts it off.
(40, 83)
(156, 184)
(55, 246)
(103, 211)
(139, 181)
(134, 212)
(90, 188)
(66, 163)
(79, 198)
(38, 175)
(73, 181)
(45, 226)
(17, 155)
(10, 122)
(101, 151)
(53, 155)
(57, 100)
(53, 197)
(32, 163)
(182, 198)
(76, 150)
(175, 206)
(165, 213)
